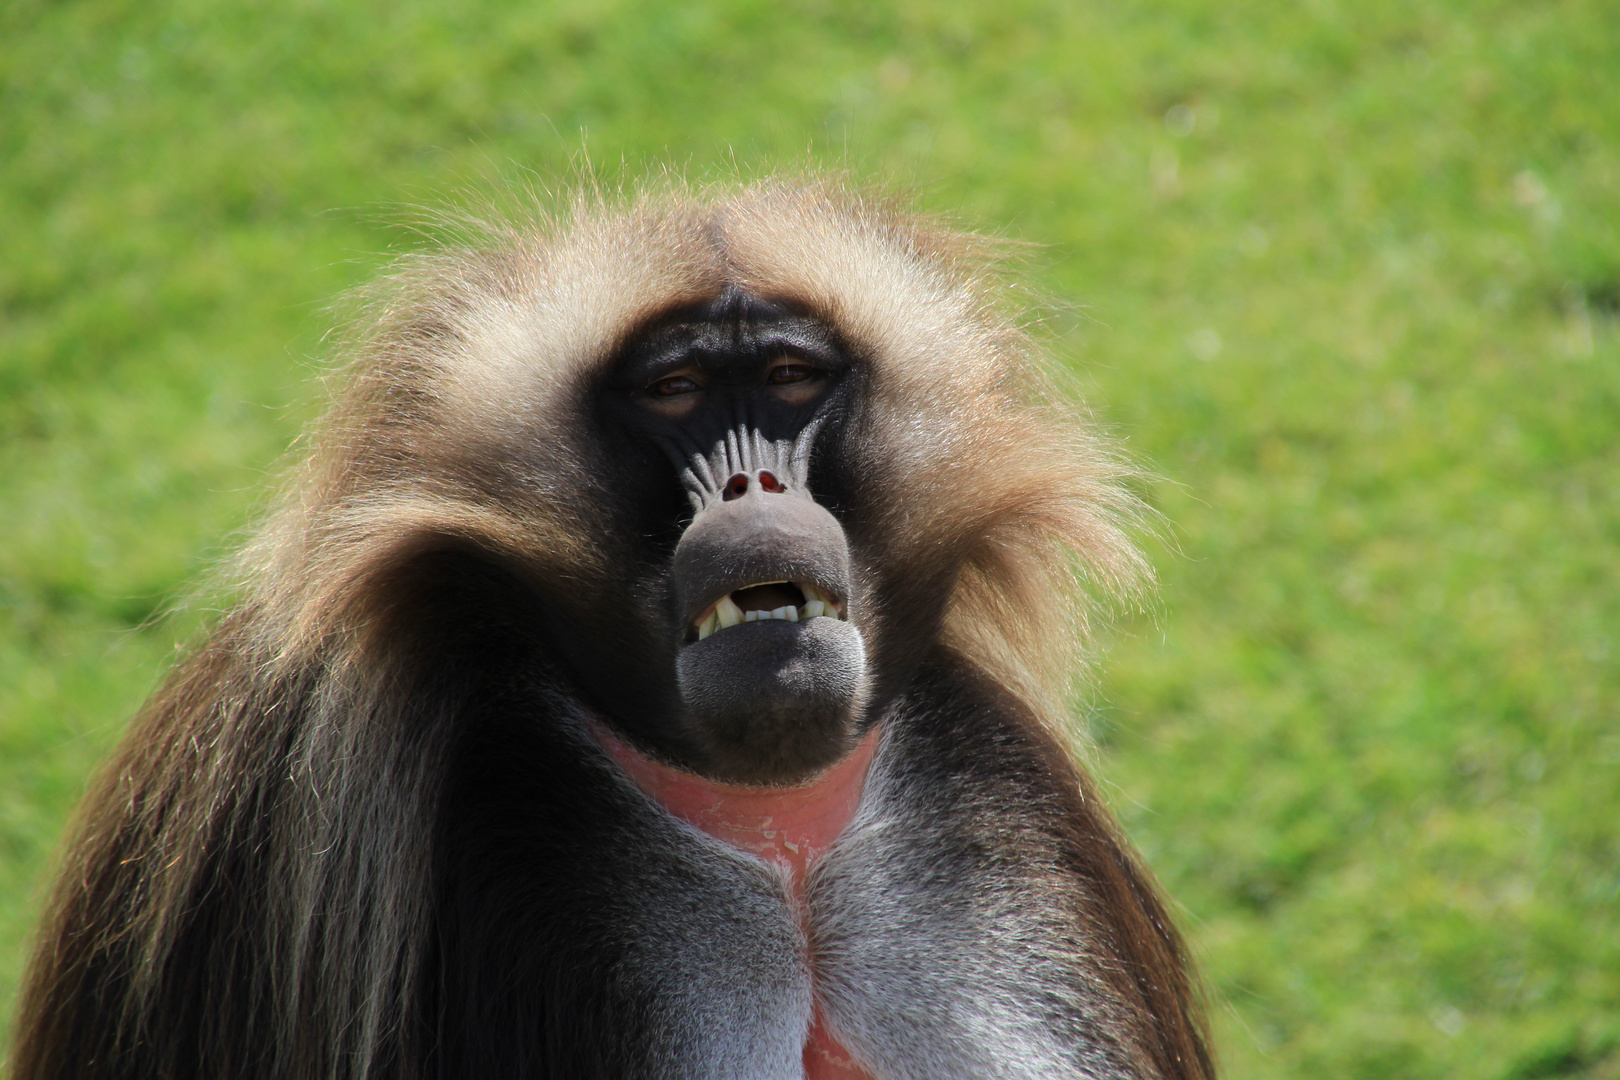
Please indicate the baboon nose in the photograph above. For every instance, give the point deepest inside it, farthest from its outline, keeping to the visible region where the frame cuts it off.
(763, 533)
(737, 486)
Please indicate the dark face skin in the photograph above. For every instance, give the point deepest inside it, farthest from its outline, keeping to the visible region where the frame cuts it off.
(759, 675)
(688, 377)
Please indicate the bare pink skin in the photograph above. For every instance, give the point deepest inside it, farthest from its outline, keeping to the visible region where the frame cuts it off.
(789, 826)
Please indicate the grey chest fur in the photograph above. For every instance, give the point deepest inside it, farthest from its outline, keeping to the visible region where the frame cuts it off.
(942, 936)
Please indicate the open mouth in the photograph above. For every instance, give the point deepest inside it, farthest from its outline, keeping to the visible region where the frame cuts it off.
(790, 601)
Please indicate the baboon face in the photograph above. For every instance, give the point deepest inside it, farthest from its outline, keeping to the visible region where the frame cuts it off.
(769, 669)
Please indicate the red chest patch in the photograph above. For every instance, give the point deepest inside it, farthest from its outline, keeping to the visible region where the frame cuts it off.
(790, 826)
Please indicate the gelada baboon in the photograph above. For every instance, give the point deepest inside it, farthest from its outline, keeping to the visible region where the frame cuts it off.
(651, 673)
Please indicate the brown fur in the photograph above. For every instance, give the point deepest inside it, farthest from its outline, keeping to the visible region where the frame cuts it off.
(292, 763)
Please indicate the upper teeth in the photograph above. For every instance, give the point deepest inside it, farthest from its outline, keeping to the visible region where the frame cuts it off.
(726, 612)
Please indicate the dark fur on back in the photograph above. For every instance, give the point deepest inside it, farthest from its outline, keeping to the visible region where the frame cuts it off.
(331, 845)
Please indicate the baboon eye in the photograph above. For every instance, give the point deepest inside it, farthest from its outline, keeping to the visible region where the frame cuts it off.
(675, 384)
(794, 382)
(791, 373)
(676, 394)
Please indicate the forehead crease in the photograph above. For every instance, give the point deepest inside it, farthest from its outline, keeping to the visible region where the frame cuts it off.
(671, 347)
(716, 346)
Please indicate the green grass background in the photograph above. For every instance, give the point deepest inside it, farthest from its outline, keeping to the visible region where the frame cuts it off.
(1346, 273)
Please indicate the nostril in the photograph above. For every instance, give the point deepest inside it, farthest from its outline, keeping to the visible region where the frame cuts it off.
(770, 483)
(736, 487)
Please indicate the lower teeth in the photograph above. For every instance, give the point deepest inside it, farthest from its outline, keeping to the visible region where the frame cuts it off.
(719, 619)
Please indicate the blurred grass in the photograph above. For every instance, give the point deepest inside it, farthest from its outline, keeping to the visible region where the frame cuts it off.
(1348, 274)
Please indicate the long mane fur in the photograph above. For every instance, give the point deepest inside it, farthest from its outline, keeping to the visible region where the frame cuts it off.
(259, 840)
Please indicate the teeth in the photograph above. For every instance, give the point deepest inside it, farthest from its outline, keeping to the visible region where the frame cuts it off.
(726, 613)
(816, 602)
